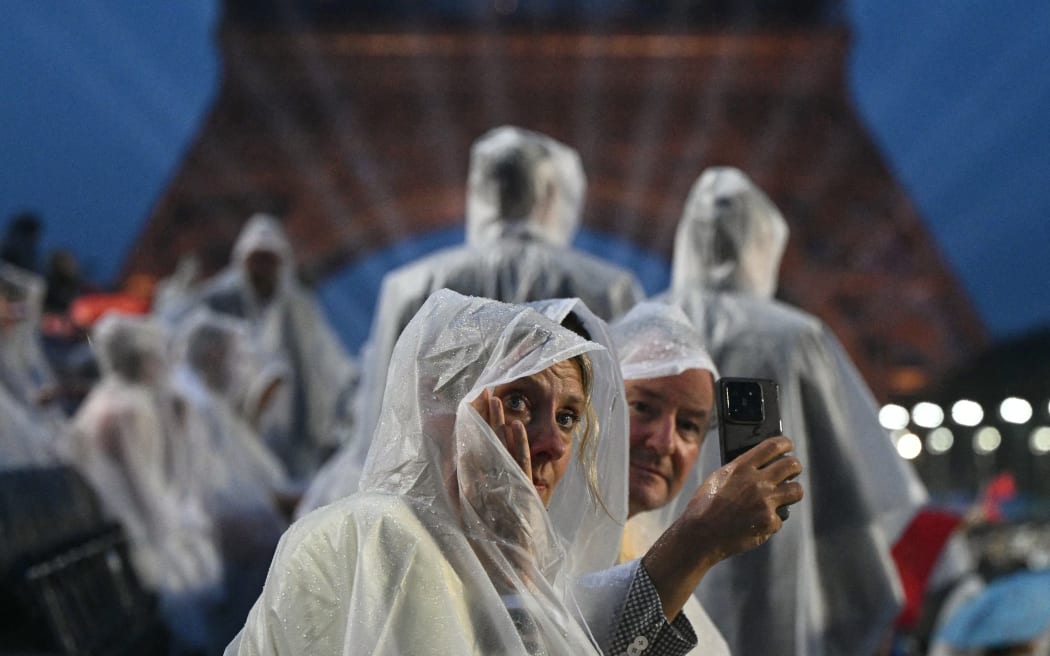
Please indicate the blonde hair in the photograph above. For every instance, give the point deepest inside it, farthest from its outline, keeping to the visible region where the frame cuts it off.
(587, 452)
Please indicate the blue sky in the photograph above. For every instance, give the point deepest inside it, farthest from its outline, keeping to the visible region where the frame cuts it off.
(957, 93)
(101, 99)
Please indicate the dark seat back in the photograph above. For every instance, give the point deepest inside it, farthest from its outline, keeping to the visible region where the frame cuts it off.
(67, 585)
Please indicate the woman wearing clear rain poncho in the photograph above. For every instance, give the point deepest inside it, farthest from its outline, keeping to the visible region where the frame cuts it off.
(827, 585)
(450, 548)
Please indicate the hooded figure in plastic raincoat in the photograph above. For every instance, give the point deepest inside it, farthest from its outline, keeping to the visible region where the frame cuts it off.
(129, 440)
(525, 194)
(826, 585)
(240, 480)
(340, 476)
(286, 324)
(449, 547)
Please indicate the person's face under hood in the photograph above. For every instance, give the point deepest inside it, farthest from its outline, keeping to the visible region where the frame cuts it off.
(523, 184)
(669, 418)
(731, 236)
(263, 270)
(549, 405)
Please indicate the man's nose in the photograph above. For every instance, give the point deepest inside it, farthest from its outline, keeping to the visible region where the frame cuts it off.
(661, 438)
(545, 439)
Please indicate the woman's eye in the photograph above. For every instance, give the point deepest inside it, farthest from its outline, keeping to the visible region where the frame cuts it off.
(568, 419)
(515, 402)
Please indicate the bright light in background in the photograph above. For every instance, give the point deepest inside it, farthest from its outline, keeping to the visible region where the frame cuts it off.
(1039, 441)
(987, 440)
(893, 416)
(967, 413)
(909, 446)
(927, 415)
(1015, 410)
(940, 440)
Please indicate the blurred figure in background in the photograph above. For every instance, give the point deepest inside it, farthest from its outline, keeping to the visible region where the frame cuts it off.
(23, 441)
(65, 281)
(310, 417)
(129, 440)
(241, 481)
(827, 586)
(25, 371)
(525, 195)
(175, 296)
(1010, 617)
(21, 241)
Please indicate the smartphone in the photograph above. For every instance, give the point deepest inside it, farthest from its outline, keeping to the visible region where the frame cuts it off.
(748, 412)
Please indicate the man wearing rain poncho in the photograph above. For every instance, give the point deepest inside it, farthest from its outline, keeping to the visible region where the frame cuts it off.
(288, 329)
(669, 382)
(827, 585)
(525, 194)
(497, 476)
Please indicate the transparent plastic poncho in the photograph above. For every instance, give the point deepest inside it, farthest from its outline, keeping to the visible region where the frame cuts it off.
(341, 476)
(826, 583)
(558, 187)
(448, 548)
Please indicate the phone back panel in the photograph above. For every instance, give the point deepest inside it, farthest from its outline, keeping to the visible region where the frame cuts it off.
(737, 437)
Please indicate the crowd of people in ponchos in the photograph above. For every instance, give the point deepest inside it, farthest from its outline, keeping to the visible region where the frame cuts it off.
(520, 460)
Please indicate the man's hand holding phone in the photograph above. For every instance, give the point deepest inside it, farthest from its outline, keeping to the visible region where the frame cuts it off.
(738, 503)
(748, 414)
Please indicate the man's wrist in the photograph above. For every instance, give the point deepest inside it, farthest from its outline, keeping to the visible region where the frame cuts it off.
(676, 563)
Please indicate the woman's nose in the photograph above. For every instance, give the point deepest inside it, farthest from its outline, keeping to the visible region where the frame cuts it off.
(546, 440)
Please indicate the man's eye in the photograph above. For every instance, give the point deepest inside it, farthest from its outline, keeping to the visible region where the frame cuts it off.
(690, 431)
(641, 407)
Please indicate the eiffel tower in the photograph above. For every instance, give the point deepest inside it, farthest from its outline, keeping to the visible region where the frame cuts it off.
(356, 131)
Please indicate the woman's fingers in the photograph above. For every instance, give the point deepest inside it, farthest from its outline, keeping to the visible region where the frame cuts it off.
(518, 445)
(496, 418)
(481, 404)
(513, 435)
